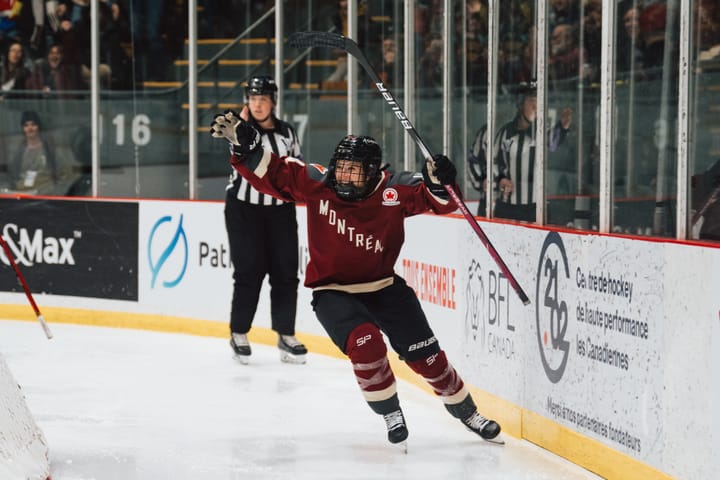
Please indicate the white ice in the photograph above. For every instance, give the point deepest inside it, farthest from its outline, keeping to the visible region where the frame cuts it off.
(118, 404)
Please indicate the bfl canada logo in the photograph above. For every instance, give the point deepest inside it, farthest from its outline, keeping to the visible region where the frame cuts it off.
(167, 251)
(551, 311)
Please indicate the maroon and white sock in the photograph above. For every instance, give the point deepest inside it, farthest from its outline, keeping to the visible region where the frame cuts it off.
(442, 377)
(367, 351)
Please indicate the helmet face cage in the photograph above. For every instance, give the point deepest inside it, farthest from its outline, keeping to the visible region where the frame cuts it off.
(364, 150)
(261, 85)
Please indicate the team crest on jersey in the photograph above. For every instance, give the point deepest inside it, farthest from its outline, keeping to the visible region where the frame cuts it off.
(390, 197)
(319, 168)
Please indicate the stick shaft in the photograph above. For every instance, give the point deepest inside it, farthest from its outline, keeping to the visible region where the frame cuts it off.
(24, 284)
(334, 40)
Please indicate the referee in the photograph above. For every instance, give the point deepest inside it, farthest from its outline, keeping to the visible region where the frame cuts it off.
(514, 156)
(262, 231)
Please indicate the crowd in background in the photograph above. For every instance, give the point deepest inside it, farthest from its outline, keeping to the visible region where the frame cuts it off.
(139, 39)
(46, 45)
(574, 40)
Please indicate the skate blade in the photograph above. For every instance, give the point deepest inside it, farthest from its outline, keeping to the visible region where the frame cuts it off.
(497, 440)
(287, 357)
(242, 359)
(402, 446)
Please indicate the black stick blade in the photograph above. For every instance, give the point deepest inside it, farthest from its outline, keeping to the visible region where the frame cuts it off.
(316, 39)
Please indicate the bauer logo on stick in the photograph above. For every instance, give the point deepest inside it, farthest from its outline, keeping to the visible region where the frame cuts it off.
(394, 106)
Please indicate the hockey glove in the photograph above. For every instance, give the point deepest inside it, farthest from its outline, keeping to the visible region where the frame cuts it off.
(432, 182)
(242, 136)
(445, 170)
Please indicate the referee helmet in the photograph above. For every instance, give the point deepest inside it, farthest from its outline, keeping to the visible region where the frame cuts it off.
(261, 85)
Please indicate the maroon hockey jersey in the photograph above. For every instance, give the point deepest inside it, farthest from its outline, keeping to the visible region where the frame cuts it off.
(353, 244)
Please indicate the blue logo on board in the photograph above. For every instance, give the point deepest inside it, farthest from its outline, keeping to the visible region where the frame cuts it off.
(167, 252)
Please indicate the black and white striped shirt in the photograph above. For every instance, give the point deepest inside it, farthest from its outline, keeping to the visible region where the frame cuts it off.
(513, 158)
(283, 141)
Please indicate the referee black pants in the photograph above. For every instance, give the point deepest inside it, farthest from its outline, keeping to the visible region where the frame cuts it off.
(263, 241)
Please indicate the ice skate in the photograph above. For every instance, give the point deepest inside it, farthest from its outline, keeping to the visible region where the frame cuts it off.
(397, 429)
(291, 350)
(241, 347)
(467, 413)
(486, 428)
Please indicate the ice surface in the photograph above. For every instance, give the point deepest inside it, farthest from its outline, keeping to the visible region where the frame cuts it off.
(120, 404)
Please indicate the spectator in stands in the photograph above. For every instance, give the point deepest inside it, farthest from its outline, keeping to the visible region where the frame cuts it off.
(430, 73)
(74, 36)
(71, 10)
(114, 68)
(390, 66)
(652, 33)
(474, 54)
(563, 11)
(566, 60)
(477, 22)
(629, 56)
(421, 26)
(32, 23)
(475, 63)
(33, 167)
(515, 27)
(52, 74)
(114, 30)
(13, 69)
(511, 58)
(39, 23)
(592, 37)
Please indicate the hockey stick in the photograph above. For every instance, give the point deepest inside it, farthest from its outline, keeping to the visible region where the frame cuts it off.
(335, 40)
(20, 277)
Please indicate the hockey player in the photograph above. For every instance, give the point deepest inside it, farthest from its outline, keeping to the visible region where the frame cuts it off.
(355, 222)
(267, 227)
